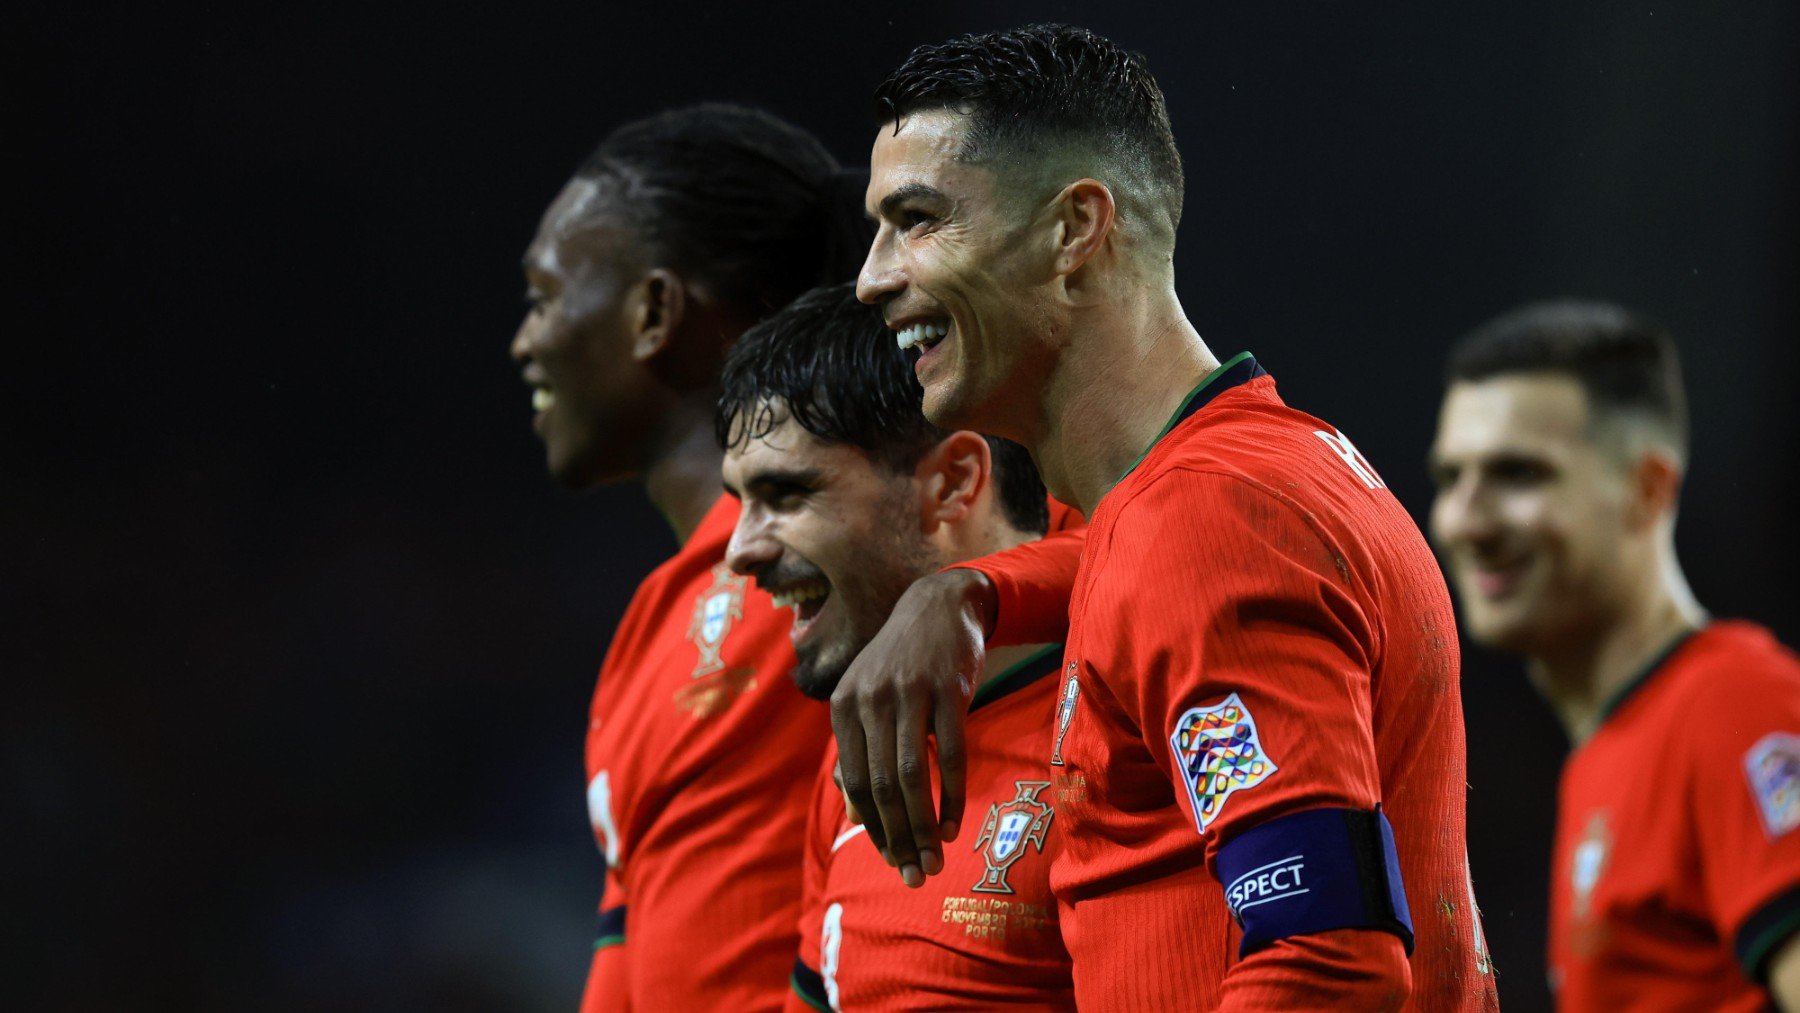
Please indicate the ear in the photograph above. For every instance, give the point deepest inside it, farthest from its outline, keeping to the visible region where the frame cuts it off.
(660, 303)
(951, 478)
(1655, 487)
(1085, 212)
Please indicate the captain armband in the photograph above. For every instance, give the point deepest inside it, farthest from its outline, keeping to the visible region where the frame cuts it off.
(1314, 871)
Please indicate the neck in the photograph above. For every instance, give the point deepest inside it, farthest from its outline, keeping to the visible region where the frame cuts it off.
(682, 475)
(1123, 373)
(1582, 677)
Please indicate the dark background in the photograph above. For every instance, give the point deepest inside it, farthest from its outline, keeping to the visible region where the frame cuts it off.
(298, 635)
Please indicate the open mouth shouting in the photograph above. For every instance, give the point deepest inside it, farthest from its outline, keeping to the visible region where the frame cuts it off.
(807, 598)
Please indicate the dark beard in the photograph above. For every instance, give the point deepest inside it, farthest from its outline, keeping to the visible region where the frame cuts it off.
(817, 679)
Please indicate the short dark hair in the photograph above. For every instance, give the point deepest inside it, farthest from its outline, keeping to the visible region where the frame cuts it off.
(834, 365)
(1625, 362)
(736, 198)
(1042, 89)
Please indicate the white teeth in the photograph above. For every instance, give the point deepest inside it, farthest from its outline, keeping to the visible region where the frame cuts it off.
(542, 399)
(794, 597)
(913, 334)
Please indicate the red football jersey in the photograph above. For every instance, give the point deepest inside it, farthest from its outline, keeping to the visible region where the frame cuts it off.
(700, 760)
(982, 934)
(1032, 581)
(1677, 868)
(1257, 630)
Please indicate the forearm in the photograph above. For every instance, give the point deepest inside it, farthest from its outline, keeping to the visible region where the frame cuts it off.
(1022, 594)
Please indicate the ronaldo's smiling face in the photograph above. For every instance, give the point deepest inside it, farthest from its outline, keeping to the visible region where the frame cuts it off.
(831, 534)
(1530, 509)
(960, 269)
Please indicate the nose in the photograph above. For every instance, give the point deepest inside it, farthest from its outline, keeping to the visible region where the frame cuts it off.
(1462, 513)
(753, 547)
(521, 342)
(881, 277)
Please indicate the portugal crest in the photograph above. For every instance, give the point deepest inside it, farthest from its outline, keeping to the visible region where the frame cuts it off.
(717, 608)
(1588, 861)
(1065, 712)
(1009, 827)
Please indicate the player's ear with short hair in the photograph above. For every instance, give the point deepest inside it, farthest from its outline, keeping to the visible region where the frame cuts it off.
(1086, 214)
(658, 302)
(952, 476)
(1653, 487)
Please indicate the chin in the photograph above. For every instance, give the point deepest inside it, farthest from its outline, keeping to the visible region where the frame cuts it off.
(1514, 634)
(946, 408)
(817, 684)
(576, 472)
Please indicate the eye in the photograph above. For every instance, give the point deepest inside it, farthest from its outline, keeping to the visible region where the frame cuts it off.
(536, 303)
(787, 496)
(781, 496)
(1519, 471)
(913, 220)
(1443, 476)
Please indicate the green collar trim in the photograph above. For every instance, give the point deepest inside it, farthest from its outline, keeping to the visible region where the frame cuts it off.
(1182, 408)
(1015, 676)
(1643, 676)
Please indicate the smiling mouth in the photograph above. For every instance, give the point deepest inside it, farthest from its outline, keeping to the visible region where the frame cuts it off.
(806, 599)
(542, 399)
(1497, 580)
(922, 334)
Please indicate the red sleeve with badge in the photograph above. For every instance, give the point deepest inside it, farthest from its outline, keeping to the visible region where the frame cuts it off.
(1677, 868)
(1265, 690)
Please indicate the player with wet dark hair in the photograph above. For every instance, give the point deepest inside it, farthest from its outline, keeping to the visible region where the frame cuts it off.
(1559, 456)
(815, 362)
(849, 495)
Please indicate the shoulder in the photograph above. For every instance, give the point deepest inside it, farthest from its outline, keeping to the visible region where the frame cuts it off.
(1734, 666)
(1190, 515)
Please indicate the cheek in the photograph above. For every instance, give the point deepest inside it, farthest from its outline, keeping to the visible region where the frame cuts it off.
(1532, 514)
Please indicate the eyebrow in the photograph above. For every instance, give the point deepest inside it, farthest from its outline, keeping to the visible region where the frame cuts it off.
(910, 191)
(778, 476)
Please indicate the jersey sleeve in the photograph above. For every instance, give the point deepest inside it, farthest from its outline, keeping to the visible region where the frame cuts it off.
(1745, 795)
(1032, 582)
(806, 987)
(606, 990)
(1248, 657)
(1242, 622)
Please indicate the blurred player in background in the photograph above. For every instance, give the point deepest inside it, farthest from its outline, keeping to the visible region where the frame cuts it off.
(1262, 662)
(849, 496)
(1558, 461)
(678, 233)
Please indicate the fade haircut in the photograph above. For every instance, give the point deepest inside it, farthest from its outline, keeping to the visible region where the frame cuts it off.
(1049, 94)
(1625, 362)
(833, 365)
(731, 197)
